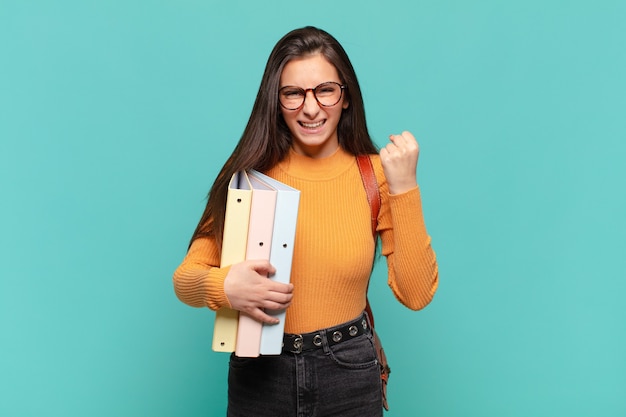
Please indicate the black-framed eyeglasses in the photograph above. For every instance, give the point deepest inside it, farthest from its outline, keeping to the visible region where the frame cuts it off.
(326, 94)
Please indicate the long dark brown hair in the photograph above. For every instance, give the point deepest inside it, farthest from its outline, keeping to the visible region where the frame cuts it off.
(266, 139)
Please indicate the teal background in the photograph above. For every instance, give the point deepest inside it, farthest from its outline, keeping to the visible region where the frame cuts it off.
(115, 117)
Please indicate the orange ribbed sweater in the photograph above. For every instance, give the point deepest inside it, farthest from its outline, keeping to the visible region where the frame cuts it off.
(334, 248)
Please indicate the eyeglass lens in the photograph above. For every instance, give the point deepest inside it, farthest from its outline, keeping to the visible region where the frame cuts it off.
(327, 94)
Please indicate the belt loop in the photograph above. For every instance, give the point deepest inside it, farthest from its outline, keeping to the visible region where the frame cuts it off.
(325, 342)
(369, 322)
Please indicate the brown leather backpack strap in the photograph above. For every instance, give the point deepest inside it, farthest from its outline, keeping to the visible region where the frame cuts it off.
(373, 198)
(371, 187)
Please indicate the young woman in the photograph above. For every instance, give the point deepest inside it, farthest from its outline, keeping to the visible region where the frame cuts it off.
(306, 127)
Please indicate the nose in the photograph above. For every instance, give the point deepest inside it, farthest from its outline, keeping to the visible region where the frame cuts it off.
(310, 107)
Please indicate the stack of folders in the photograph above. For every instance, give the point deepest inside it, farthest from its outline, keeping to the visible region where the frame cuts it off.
(260, 223)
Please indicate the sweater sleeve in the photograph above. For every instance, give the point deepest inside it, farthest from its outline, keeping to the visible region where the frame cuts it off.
(198, 280)
(412, 266)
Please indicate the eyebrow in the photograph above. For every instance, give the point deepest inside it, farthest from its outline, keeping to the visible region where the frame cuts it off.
(323, 82)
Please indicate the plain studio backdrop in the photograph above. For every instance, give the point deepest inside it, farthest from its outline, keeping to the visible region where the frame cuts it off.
(115, 117)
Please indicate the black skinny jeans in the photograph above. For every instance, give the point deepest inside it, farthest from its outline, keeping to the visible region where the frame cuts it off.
(341, 380)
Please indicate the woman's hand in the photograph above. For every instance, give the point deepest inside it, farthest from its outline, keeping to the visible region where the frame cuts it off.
(249, 290)
(399, 160)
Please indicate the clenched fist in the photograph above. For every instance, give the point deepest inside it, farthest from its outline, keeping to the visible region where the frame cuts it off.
(399, 160)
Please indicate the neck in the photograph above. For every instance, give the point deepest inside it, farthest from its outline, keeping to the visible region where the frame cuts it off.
(322, 150)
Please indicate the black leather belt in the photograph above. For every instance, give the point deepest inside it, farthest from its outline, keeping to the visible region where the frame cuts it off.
(297, 343)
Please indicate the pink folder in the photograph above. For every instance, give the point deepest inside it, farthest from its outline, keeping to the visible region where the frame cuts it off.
(260, 230)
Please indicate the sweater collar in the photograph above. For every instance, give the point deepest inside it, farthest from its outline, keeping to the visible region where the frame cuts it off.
(304, 167)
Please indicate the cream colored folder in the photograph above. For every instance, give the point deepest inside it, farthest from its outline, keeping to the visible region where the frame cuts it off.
(234, 243)
(281, 255)
(260, 230)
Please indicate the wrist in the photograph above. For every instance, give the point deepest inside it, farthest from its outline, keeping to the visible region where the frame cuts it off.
(402, 188)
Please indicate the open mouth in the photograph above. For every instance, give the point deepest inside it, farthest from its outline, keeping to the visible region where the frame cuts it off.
(312, 125)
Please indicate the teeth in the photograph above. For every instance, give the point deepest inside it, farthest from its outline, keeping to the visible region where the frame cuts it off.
(312, 125)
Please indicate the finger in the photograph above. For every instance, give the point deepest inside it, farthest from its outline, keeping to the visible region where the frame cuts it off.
(410, 140)
(399, 140)
(270, 285)
(404, 141)
(272, 305)
(395, 138)
(262, 267)
(262, 316)
(408, 136)
(406, 145)
(404, 138)
(279, 287)
(278, 297)
(390, 147)
(387, 154)
(391, 152)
